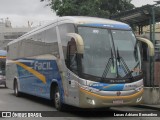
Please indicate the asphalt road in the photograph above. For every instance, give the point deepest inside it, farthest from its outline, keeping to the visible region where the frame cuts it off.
(8, 102)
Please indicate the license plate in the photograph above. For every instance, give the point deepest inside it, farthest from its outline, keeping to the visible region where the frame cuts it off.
(117, 101)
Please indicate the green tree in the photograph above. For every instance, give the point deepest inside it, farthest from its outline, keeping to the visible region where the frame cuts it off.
(98, 8)
(115, 6)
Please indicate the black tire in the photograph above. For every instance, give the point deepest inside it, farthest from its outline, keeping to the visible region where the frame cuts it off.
(57, 100)
(16, 91)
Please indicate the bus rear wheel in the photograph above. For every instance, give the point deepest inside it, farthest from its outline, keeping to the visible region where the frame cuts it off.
(57, 100)
(16, 91)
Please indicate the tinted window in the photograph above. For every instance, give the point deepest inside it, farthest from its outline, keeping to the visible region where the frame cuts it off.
(64, 29)
(51, 35)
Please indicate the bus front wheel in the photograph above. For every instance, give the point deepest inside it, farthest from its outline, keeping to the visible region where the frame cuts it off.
(57, 100)
(16, 92)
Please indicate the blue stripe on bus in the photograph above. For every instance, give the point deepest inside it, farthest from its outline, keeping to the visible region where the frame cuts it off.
(30, 83)
(108, 87)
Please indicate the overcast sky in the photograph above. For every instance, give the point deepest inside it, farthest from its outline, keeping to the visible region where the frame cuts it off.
(20, 12)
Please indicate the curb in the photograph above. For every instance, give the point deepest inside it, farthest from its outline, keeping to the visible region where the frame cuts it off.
(149, 107)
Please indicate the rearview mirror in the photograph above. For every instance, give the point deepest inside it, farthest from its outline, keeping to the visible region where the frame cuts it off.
(149, 44)
(79, 42)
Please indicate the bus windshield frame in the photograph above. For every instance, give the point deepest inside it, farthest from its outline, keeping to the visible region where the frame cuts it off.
(105, 55)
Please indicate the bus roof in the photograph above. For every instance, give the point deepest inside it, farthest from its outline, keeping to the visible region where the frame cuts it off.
(80, 20)
(97, 22)
(94, 20)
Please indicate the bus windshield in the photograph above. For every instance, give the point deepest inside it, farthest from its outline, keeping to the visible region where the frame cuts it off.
(113, 53)
(127, 49)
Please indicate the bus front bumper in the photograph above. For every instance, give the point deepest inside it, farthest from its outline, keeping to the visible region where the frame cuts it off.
(92, 100)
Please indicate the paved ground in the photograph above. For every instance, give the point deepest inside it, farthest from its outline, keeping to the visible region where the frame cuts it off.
(8, 102)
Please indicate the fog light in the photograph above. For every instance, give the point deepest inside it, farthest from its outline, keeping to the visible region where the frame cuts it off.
(90, 101)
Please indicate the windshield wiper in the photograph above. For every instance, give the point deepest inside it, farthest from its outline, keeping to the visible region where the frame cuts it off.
(110, 61)
(124, 65)
(131, 70)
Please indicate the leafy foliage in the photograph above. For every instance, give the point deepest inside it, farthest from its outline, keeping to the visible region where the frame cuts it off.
(98, 8)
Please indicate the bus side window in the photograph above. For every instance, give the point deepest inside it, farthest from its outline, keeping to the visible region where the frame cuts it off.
(39, 36)
(51, 35)
(63, 30)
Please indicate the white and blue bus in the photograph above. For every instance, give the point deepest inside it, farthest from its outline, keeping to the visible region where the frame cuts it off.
(80, 61)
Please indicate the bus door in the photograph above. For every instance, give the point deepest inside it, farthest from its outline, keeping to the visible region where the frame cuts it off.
(72, 80)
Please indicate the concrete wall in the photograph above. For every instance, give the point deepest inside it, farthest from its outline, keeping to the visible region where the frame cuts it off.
(151, 95)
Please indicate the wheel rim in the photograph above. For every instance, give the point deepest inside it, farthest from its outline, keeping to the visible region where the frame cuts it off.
(57, 100)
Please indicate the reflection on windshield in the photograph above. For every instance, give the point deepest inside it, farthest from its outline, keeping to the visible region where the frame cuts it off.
(97, 51)
(98, 44)
(126, 45)
(110, 66)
